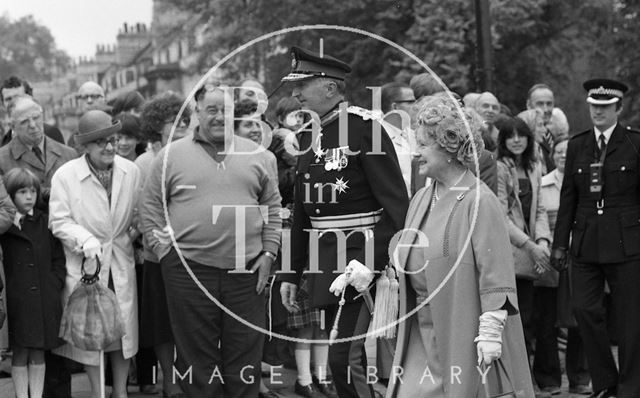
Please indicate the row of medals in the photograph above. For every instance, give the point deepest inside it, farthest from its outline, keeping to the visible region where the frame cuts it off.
(335, 159)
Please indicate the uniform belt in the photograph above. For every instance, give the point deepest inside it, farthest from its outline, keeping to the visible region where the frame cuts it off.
(347, 221)
(607, 203)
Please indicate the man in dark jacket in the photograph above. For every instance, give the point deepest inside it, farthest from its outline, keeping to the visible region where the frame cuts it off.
(30, 147)
(12, 88)
(346, 189)
(600, 210)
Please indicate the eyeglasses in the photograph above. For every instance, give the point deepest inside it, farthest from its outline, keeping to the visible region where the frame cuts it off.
(404, 101)
(85, 97)
(24, 122)
(102, 142)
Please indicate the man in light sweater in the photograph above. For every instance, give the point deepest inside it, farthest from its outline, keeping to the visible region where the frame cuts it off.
(223, 206)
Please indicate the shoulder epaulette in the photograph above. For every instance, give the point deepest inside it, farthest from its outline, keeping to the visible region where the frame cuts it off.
(365, 114)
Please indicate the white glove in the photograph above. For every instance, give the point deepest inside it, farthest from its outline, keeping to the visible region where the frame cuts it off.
(488, 351)
(358, 275)
(92, 248)
(338, 285)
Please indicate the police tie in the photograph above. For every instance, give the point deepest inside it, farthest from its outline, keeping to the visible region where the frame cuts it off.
(602, 144)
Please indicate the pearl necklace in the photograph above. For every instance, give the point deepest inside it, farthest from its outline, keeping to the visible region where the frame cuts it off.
(435, 197)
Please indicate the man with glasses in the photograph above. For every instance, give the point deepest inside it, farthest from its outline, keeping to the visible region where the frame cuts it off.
(32, 149)
(11, 90)
(91, 96)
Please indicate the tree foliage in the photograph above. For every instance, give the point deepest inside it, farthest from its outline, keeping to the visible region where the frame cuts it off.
(28, 49)
(559, 42)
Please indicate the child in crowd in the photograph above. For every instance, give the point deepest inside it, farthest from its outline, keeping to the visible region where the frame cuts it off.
(35, 270)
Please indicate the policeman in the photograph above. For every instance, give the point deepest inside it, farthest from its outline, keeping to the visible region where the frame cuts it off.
(350, 199)
(600, 211)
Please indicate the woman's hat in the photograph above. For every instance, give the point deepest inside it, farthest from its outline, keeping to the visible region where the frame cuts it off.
(131, 126)
(94, 125)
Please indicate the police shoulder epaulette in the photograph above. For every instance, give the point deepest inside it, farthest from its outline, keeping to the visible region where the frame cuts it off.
(365, 114)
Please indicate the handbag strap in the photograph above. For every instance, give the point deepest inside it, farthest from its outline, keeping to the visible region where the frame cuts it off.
(90, 279)
(499, 366)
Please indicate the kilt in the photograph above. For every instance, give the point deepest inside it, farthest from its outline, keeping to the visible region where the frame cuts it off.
(306, 316)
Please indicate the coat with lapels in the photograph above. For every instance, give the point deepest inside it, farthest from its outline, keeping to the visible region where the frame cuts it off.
(604, 226)
(465, 263)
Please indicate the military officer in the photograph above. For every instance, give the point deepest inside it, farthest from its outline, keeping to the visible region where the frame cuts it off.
(600, 210)
(350, 200)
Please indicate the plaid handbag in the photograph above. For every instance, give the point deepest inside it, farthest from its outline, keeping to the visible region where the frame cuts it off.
(91, 319)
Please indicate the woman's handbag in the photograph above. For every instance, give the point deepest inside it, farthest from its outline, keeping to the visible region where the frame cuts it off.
(91, 319)
(523, 263)
(503, 382)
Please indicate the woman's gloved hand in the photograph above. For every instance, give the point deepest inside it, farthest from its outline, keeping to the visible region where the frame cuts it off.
(488, 351)
(92, 248)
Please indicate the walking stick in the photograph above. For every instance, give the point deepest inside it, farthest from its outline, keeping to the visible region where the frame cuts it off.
(101, 369)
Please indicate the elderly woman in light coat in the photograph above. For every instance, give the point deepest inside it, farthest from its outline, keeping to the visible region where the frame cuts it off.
(458, 305)
(91, 211)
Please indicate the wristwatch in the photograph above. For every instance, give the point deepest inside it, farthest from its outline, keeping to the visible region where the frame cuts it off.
(272, 256)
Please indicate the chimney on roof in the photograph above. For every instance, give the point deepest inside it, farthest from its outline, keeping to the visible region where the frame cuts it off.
(125, 27)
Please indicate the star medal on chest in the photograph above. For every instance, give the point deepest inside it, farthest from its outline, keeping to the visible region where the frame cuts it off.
(341, 185)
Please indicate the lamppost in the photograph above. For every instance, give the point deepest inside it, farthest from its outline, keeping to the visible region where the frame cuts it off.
(484, 67)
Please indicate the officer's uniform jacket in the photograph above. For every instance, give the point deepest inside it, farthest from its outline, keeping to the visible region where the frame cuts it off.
(604, 228)
(368, 193)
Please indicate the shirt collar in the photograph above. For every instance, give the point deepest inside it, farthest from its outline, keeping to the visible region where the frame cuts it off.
(607, 133)
(19, 216)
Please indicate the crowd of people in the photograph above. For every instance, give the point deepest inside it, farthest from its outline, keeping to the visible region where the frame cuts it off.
(281, 241)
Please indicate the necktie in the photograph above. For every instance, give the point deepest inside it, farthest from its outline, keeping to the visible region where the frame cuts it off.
(602, 145)
(548, 139)
(38, 153)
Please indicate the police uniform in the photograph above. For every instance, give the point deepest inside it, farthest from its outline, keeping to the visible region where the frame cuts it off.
(343, 190)
(600, 210)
